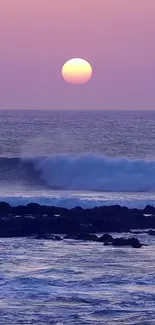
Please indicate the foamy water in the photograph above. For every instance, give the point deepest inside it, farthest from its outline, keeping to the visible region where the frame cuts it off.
(85, 180)
(69, 282)
(70, 199)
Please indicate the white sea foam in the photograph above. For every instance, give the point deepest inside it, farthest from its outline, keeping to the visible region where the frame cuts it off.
(85, 202)
(99, 173)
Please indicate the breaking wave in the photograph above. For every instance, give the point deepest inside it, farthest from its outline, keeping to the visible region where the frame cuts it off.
(82, 172)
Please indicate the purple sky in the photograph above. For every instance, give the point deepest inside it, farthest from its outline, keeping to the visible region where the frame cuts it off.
(116, 36)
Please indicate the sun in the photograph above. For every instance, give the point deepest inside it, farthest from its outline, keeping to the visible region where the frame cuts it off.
(77, 71)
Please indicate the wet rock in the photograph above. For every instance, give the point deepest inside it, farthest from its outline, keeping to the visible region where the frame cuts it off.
(149, 209)
(89, 237)
(18, 227)
(56, 220)
(43, 236)
(32, 208)
(133, 242)
(4, 208)
(106, 238)
(63, 225)
(48, 237)
(71, 236)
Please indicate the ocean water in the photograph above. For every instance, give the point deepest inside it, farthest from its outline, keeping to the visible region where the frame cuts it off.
(85, 158)
(61, 283)
(68, 159)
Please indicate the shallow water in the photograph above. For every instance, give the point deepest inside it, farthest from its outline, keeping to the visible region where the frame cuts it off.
(46, 282)
(70, 199)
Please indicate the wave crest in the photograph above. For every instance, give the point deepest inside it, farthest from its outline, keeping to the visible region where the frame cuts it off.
(97, 173)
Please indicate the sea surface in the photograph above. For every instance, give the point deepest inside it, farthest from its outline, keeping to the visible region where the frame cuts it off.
(68, 158)
(70, 283)
(85, 158)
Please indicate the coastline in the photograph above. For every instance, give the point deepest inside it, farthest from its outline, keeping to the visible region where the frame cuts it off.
(33, 219)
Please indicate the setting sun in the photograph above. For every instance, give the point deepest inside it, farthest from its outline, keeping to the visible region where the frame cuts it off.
(77, 71)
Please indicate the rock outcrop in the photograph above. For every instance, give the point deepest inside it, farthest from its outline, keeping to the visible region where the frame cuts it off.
(133, 242)
(34, 218)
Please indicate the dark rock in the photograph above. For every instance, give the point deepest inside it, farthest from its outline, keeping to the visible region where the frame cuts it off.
(19, 210)
(63, 225)
(149, 209)
(105, 238)
(133, 242)
(4, 208)
(89, 237)
(18, 226)
(48, 237)
(35, 218)
(71, 236)
(32, 208)
(77, 209)
(43, 236)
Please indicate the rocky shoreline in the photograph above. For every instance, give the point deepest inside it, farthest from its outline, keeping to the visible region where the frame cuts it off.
(107, 239)
(36, 220)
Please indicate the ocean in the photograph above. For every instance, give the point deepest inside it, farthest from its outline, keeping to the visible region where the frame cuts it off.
(84, 158)
(70, 158)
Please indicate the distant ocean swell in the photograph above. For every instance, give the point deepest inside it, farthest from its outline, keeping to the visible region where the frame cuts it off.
(82, 172)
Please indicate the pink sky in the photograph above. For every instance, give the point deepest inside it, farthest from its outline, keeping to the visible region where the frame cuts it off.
(116, 36)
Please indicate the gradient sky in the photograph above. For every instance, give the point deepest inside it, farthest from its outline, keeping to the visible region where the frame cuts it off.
(116, 36)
